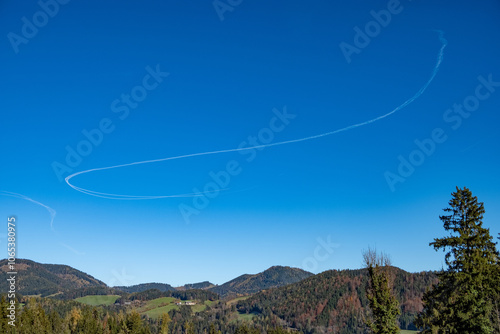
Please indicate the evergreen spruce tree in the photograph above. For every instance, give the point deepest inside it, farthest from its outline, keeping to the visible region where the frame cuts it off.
(383, 303)
(495, 316)
(134, 322)
(33, 319)
(462, 302)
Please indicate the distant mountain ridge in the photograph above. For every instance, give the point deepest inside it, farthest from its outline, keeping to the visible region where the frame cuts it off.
(274, 277)
(337, 300)
(246, 284)
(35, 278)
(48, 279)
(146, 286)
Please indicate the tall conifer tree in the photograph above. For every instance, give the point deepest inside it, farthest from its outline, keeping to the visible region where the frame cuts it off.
(462, 301)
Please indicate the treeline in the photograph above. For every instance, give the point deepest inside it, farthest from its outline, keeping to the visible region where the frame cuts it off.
(146, 286)
(50, 316)
(92, 290)
(200, 295)
(220, 318)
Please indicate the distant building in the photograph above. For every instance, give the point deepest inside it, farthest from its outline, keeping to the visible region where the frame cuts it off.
(186, 303)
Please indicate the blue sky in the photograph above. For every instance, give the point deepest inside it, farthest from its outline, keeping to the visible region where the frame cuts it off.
(228, 68)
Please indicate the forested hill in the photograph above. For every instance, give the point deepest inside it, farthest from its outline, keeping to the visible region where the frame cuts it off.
(273, 277)
(337, 300)
(202, 285)
(45, 279)
(145, 286)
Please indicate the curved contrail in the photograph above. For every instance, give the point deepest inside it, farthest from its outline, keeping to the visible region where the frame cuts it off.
(51, 211)
(48, 208)
(139, 197)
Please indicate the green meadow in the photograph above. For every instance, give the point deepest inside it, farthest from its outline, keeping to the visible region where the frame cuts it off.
(98, 300)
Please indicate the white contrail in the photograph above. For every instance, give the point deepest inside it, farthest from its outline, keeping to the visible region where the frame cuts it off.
(48, 208)
(350, 127)
(72, 249)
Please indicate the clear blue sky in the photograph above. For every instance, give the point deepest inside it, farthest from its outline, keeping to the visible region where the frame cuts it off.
(228, 70)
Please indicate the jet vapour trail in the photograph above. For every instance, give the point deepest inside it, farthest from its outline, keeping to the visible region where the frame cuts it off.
(439, 60)
(48, 208)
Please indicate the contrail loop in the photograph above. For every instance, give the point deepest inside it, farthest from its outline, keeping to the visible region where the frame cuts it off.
(138, 197)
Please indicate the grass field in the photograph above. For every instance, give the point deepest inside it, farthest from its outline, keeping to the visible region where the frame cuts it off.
(157, 303)
(98, 300)
(157, 312)
(202, 306)
(156, 307)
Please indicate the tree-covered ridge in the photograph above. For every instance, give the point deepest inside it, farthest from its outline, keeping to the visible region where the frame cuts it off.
(88, 291)
(336, 300)
(48, 279)
(271, 278)
(197, 294)
(145, 286)
(200, 285)
(45, 279)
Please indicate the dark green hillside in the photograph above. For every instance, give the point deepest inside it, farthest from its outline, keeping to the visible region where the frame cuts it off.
(336, 300)
(45, 279)
(201, 295)
(201, 285)
(273, 277)
(145, 286)
(88, 291)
